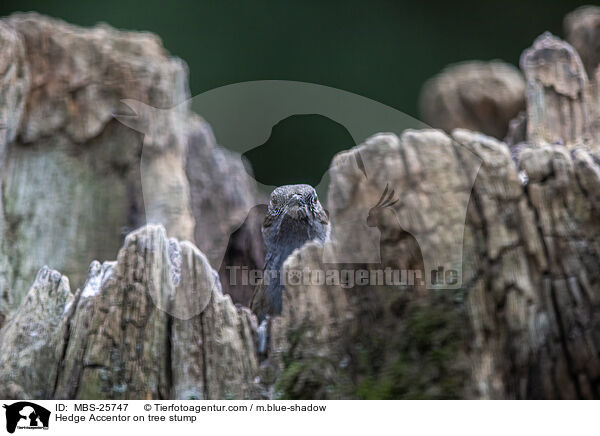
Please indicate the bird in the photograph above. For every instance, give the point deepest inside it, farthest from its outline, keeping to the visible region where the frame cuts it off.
(294, 217)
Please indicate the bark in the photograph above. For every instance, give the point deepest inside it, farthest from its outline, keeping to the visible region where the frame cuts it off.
(481, 96)
(557, 84)
(221, 195)
(74, 182)
(527, 310)
(153, 324)
(516, 225)
(62, 86)
(582, 30)
(32, 341)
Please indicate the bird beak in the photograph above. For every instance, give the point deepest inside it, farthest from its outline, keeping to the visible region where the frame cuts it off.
(295, 208)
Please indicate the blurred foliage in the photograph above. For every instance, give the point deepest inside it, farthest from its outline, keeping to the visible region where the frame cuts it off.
(415, 349)
(425, 367)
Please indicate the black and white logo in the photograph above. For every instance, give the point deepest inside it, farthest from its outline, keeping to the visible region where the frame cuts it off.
(26, 415)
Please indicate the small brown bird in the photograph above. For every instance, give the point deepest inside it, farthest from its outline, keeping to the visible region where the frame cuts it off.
(294, 217)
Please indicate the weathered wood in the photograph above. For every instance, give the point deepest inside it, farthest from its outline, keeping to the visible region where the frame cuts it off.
(153, 324)
(33, 340)
(75, 180)
(528, 306)
(481, 96)
(582, 30)
(518, 223)
(556, 93)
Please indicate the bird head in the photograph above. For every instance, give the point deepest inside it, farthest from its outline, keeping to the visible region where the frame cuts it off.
(295, 213)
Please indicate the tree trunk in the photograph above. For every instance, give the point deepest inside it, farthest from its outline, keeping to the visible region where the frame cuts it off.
(503, 239)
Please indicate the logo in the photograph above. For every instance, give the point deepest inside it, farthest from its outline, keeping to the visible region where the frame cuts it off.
(26, 415)
(242, 117)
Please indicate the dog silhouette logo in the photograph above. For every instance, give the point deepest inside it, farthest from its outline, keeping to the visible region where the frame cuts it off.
(26, 415)
(241, 117)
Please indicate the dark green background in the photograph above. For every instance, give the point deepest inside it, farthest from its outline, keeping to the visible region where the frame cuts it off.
(383, 50)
